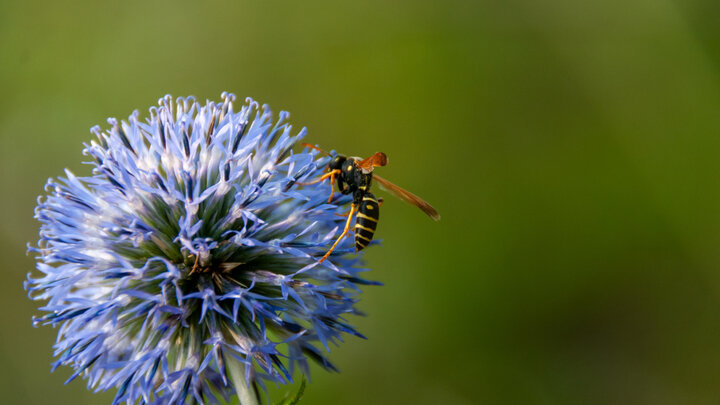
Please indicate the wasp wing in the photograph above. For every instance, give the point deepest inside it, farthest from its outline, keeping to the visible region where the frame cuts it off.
(407, 197)
(376, 160)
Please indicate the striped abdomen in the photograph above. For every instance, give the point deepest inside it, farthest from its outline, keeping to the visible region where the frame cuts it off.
(366, 221)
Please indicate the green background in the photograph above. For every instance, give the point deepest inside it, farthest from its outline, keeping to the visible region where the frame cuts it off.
(571, 148)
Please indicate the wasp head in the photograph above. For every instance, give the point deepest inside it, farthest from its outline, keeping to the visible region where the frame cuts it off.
(337, 162)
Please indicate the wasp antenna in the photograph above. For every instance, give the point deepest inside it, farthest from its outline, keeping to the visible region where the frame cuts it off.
(307, 145)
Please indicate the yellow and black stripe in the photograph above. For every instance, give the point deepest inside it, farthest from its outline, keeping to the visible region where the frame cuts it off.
(366, 221)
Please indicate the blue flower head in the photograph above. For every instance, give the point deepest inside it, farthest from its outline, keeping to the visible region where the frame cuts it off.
(185, 268)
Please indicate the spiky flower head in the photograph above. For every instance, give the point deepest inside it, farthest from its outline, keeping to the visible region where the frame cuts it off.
(185, 268)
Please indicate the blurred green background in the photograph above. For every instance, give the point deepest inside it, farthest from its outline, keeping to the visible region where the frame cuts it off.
(571, 147)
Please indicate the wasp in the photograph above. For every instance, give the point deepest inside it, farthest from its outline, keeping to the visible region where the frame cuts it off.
(354, 175)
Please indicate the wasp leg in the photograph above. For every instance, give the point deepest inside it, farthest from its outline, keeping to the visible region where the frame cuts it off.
(345, 231)
(343, 215)
(322, 178)
(332, 185)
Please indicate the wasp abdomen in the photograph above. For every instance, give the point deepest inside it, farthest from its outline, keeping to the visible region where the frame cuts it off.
(366, 221)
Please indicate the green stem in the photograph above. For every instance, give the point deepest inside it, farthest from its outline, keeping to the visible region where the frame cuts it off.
(245, 393)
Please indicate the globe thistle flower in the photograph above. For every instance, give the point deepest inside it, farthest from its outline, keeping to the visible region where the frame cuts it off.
(185, 268)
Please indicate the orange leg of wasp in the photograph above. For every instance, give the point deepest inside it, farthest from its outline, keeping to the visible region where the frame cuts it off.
(346, 213)
(380, 203)
(345, 231)
(332, 185)
(322, 178)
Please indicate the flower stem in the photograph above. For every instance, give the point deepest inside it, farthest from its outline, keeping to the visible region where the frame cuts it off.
(245, 393)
